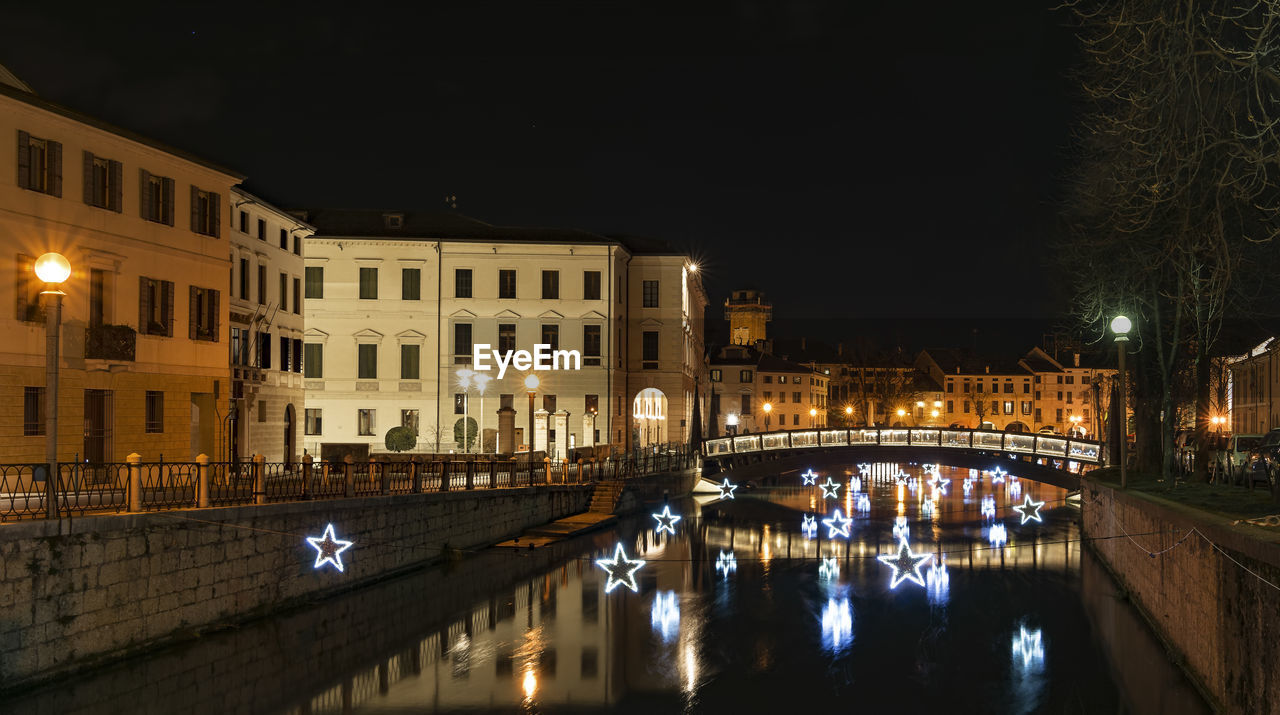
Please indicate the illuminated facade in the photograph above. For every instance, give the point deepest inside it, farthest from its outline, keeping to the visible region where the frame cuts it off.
(1255, 388)
(744, 380)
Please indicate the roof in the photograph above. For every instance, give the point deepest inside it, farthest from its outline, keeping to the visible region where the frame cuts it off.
(419, 225)
(14, 91)
(643, 245)
(11, 79)
(764, 362)
(966, 362)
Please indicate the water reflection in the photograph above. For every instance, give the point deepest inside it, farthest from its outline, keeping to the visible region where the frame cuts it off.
(665, 614)
(1028, 650)
(837, 625)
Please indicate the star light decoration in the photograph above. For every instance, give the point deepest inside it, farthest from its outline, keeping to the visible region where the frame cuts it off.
(666, 520)
(989, 506)
(810, 478)
(809, 525)
(901, 478)
(1029, 645)
(998, 475)
(864, 470)
(1030, 510)
(726, 563)
(939, 484)
(837, 523)
(727, 489)
(864, 503)
(905, 564)
(829, 489)
(900, 529)
(997, 535)
(329, 548)
(621, 570)
(829, 570)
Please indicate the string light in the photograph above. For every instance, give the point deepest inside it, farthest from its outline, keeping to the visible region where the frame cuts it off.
(666, 520)
(905, 564)
(621, 570)
(329, 548)
(837, 523)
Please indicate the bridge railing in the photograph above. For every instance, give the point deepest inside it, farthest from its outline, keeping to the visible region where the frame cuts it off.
(1037, 445)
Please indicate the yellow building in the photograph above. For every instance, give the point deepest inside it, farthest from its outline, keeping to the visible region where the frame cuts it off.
(143, 363)
(759, 392)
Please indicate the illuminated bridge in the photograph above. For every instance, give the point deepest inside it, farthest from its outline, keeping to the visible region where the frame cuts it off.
(1052, 459)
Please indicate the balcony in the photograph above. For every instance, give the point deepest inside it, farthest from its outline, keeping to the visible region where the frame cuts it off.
(110, 342)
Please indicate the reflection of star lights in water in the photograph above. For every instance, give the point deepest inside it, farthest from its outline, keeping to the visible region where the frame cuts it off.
(665, 614)
(938, 581)
(864, 503)
(989, 506)
(837, 624)
(809, 525)
(726, 563)
(997, 535)
(829, 570)
(1028, 649)
(900, 528)
(968, 487)
(855, 485)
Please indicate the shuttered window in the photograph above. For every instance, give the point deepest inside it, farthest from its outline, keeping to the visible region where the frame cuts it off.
(30, 308)
(102, 178)
(39, 164)
(157, 198)
(206, 207)
(204, 319)
(155, 307)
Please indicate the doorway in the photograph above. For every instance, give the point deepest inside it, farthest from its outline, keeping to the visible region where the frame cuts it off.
(289, 433)
(98, 419)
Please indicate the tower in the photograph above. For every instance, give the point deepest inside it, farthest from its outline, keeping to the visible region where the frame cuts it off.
(747, 313)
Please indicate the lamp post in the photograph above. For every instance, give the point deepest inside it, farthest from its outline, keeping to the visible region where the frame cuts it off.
(731, 423)
(768, 407)
(464, 381)
(902, 416)
(813, 417)
(848, 415)
(481, 381)
(531, 387)
(1121, 325)
(53, 269)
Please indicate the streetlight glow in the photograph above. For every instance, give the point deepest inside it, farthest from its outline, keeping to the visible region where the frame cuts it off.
(53, 268)
(1121, 325)
(848, 410)
(768, 407)
(531, 382)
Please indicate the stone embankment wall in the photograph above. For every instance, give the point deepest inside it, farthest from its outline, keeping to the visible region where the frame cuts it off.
(1220, 620)
(77, 592)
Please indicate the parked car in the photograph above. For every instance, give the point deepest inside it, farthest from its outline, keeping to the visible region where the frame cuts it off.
(1230, 456)
(1264, 459)
(1047, 429)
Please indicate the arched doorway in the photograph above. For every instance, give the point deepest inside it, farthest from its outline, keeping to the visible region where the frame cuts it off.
(649, 417)
(289, 434)
(1016, 426)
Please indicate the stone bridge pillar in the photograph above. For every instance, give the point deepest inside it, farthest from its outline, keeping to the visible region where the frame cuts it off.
(540, 427)
(560, 423)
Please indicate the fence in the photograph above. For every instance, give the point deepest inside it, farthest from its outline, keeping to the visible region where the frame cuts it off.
(136, 486)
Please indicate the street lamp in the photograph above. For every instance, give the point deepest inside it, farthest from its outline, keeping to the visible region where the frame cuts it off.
(813, 416)
(464, 381)
(54, 269)
(731, 421)
(848, 415)
(481, 381)
(901, 415)
(768, 407)
(531, 387)
(1121, 325)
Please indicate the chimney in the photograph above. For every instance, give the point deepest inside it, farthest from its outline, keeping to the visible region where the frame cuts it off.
(988, 369)
(1077, 359)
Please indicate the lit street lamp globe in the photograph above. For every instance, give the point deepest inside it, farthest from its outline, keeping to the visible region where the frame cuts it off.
(531, 382)
(768, 407)
(53, 268)
(1121, 325)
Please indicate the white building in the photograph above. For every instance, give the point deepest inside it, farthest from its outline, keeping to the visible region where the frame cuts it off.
(266, 330)
(397, 301)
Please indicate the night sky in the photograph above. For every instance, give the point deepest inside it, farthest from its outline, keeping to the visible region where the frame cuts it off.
(852, 161)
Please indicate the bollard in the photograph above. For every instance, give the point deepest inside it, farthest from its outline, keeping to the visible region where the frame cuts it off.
(202, 480)
(564, 470)
(259, 479)
(415, 475)
(579, 470)
(471, 475)
(135, 481)
(546, 470)
(348, 476)
(308, 473)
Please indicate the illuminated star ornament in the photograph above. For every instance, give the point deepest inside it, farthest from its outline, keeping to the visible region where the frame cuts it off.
(727, 489)
(829, 489)
(901, 478)
(998, 475)
(905, 564)
(864, 469)
(1030, 510)
(621, 570)
(810, 478)
(809, 525)
(726, 563)
(829, 569)
(329, 548)
(837, 523)
(940, 484)
(666, 520)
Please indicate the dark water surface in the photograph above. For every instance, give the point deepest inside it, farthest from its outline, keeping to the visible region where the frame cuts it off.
(1031, 625)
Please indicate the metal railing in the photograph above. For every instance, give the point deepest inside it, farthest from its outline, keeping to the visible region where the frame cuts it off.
(1055, 447)
(137, 486)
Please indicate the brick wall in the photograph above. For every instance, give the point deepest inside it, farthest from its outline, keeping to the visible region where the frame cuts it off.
(79, 592)
(1220, 620)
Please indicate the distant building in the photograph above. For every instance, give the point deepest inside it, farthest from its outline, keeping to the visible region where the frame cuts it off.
(748, 314)
(744, 380)
(1255, 389)
(144, 339)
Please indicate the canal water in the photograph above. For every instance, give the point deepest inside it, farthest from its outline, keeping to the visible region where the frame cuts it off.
(941, 598)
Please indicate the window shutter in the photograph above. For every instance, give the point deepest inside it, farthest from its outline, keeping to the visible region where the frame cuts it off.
(55, 168)
(215, 214)
(144, 305)
(194, 317)
(215, 318)
(168, 202)
(168, 308)
(144, 184)
(88, 178)
(195, 209)
(24, 159)
(116, 170)
(23, 262)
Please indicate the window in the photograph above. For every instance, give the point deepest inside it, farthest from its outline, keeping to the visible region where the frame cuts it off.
(102, 179)
(782, 398)
(1008, 407)
(297, 245)
(550, 285)
(244, 279)
(649, 294)
(39, 164)
(262, 410)
(204, 316)
(314, 276)
(33, 419)
(155, 307)
(995, 407)
(459, 403)
(966, 407)
(716, 375)
(311, 420)
(592, 404)
(1059, 395)
(795, 420)
(1084, 379)
(296, 352)
(284, 354)
(746, 376)
(1059, 379)
(506, 283)
(367, 359)
(262, 284)
(549, 403)
(284, 239)
(244, 222)
(551, 336)
(951, 406)
(1070, 395)
(368, 283)
(264, 350)
(462, 283)
(795, 380)
(284, 290)
(154, 412)
(649, 350)
(591, 285)
(591, 344)
(1008, 388)
(205, 208)
(795, 397)
(409, 419)
(1037, 394)
(364, 423)
(1026, 387)
(157, 198)
(313, 362)
(1084, 397)
(951, 386)
(746, 404)
(410, 362)
(462, 342)
(1071, 379)
(506, 337)
(768, 395)
(1026, 407)
(297, 296)
(1059, 414)
(239, 346)
(262, 230)
(1038, 414)
(411, 284)
(768, 379)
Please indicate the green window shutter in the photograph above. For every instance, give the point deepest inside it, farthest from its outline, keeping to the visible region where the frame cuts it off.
(24, 159)
(215, 318)
(168, 202)
(215, 214)
(144, 305)
(144, 184)
(88, 178)
(55, 168)
(195, 209)
(168, 308)
(193, 312)
(116, 170)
